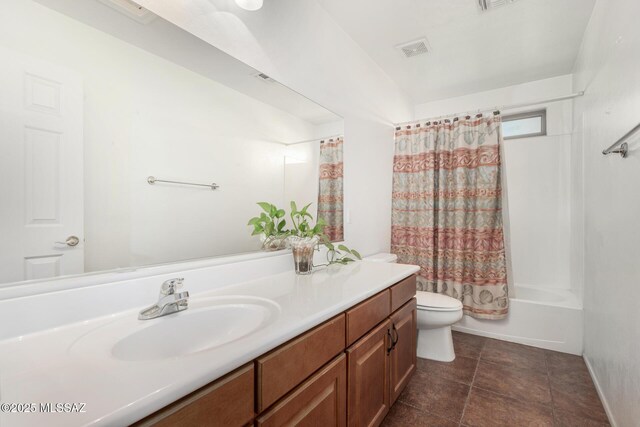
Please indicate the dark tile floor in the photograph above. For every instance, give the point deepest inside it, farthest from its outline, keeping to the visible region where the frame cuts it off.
(496, 383)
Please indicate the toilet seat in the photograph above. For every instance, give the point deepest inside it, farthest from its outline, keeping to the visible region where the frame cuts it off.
(431, 301)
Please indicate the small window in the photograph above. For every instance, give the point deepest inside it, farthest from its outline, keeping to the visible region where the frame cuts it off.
(524, 125)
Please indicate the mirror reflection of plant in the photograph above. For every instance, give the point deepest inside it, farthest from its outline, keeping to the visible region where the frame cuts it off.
(301, 226)
(271, 222)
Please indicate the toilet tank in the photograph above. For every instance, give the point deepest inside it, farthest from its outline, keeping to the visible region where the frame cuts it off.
(382, 257)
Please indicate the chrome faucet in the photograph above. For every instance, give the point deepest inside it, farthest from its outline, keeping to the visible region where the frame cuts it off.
(168, 301)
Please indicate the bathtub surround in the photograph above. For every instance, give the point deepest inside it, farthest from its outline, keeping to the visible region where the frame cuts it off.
(447, 215)
(330, 196)
(540, 317)
(607, 70)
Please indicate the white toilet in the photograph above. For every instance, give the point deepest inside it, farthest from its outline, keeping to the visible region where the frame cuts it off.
(436, 314)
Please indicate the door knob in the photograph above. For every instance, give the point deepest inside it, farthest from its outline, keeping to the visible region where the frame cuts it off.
(71, 241)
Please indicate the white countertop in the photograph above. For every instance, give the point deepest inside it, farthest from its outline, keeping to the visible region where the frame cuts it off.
(42, 368)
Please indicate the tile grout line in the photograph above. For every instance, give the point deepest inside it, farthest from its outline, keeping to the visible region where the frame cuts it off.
(553, 403)
(506, 396)
(473, 380)
(455, 380)
(425, 411)
(531, 370)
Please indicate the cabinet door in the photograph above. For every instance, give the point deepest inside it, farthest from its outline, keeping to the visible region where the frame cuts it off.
(402, 358)
(320, 401)
(368, 363)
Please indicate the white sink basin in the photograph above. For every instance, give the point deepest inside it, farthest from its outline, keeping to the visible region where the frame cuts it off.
(206, 324)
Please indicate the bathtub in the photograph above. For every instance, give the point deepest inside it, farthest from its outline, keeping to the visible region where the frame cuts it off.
(540, 317)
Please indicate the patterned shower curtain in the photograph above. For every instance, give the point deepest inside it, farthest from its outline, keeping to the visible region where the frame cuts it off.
(330, 197)
(447, 211)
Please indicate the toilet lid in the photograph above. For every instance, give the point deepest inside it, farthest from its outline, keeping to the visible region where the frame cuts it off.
(437, 302)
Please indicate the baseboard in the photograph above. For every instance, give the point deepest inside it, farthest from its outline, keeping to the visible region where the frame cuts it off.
(603, 399)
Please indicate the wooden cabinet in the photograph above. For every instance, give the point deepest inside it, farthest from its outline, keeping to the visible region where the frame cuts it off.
(279, 371)
(311, 380)
(319, 401)
(380, 365)
(226, 402)
(402, 357)
(366, 315)
(368, 371)
(402, 292)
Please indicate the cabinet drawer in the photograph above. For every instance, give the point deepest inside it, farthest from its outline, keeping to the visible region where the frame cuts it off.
(366, 315)
(402, 292)
(226, 402)
(319, 401)
(287, 366)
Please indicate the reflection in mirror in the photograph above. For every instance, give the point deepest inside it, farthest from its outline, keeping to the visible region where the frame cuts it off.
(96, 98)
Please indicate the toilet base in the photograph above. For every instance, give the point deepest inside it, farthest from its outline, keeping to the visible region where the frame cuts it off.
(436, 344)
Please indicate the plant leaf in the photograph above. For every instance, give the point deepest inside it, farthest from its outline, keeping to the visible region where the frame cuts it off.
(356, 254)
(265, 206)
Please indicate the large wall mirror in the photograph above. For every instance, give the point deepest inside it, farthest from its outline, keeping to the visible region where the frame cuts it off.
(97, 96)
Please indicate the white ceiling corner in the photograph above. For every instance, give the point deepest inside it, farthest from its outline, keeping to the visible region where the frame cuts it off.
(471, 51)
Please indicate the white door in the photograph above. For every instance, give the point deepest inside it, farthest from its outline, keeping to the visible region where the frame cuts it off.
(41, 177)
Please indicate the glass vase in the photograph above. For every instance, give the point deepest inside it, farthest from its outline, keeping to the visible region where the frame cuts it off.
(273, 243)
(303, 249)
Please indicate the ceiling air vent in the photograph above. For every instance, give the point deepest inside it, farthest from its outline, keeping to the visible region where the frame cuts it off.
(485, 5)
(263, 77)
(132, 9)
(414, 48)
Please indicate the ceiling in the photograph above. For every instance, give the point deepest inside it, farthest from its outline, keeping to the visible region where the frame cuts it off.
(170, 42)
(471, 51)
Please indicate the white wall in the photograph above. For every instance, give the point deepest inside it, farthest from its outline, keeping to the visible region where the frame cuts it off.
(538, 179)
(298, 44)
(608, 69)
(147, 116)
(302, 175)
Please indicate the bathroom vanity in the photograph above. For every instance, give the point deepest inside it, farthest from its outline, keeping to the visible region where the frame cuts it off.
(347, 371)
(255, 347)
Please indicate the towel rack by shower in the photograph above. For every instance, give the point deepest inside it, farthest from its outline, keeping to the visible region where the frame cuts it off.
(152, 180)
(623, 147)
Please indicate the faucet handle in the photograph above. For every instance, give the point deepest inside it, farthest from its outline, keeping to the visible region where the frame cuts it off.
(169, 287)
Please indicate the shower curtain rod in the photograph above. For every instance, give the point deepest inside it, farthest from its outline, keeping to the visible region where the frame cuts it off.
(314, 140)
(498, 107)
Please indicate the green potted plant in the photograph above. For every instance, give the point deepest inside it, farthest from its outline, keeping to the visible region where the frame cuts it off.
(304, 237)
(270, 225)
